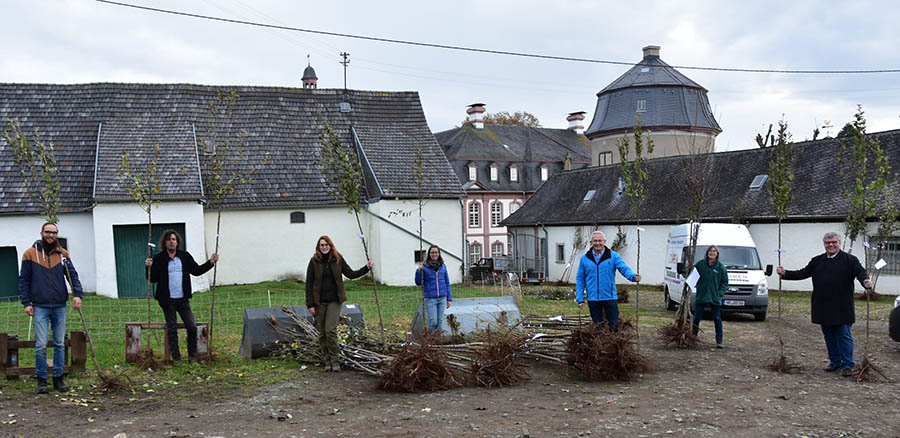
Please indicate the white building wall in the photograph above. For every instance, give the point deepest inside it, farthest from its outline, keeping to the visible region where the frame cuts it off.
(395, 248)
(106, 215)
(800, 241)
(22, 231)
(263, 245)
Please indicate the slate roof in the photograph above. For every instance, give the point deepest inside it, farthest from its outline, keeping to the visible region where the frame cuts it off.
(526, 147)
(280, 125)
(672, 101)
(818, 189)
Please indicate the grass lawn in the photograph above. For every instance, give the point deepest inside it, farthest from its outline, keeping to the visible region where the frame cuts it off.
(106, 320)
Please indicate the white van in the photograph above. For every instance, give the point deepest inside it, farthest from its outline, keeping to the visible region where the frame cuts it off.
(748, 290)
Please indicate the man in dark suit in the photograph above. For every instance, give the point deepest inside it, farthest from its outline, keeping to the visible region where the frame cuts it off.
(832, 299)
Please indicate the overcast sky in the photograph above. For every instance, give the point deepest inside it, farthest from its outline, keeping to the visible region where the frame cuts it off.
(79, 41)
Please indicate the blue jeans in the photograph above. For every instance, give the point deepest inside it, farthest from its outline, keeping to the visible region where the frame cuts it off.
(716, 314)
(610, 308)
(839, 341)
(44, 317)
(434, 309)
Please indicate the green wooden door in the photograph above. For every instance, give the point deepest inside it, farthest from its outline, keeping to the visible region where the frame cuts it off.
(131, 250)
(9, 272)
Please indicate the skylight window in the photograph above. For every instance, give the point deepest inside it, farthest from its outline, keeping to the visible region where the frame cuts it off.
(589, 195)
(758, 182)
(645, 69)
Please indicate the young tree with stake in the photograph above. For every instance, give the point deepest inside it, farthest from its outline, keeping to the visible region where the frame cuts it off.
(865, 189)
(144, 186)
(225, 170)
(341, 167)
(636, 178)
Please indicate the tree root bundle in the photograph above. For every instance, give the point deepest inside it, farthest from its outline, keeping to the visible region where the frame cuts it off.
(111, 383)
(622, 296)
(500, 361)
(605, 355)
(147, 360)
(680, 333)
(418, 367)
(781, 364)
(867, 371)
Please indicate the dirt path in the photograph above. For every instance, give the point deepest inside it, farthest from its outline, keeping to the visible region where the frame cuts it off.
(696, 393)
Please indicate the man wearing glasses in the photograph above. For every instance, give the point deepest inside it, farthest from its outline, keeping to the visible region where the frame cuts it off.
(42, 290)
(832, 299)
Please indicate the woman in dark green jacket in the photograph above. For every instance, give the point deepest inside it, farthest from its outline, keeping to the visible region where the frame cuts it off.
(711, 288)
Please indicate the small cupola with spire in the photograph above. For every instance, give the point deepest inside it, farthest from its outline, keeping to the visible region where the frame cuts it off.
(309, 76)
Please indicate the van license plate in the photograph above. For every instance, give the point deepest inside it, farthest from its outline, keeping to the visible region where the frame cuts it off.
(734, 302)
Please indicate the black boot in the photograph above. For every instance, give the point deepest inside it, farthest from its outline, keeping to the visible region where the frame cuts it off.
(59, 385)
(696, 329)
(42, 386)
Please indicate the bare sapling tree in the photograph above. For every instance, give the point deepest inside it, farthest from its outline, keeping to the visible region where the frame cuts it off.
(37, 166)
(696, 180)
(144, 186)
(227, 167)
(868, 168)
(636, 177)
(341, 166)
(780, 187)
(781, 193)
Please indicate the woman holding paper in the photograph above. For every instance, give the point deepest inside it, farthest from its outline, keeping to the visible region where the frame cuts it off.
(711, 288)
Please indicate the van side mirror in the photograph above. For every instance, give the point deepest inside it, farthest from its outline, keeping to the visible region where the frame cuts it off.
(679, 268)
(768, 270)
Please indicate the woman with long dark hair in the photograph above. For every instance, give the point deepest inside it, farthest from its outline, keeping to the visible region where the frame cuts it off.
(432, 276)
(711, 288)
(325, 294)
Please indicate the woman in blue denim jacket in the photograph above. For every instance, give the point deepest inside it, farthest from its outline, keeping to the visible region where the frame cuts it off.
(432, 276)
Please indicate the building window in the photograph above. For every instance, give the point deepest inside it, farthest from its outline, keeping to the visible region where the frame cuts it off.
(604, 159)
(496, 214)
(513, 207)
(514, 174)
(890, 253)
(494, 172)
(560, 253)
(545, 173)
(298, 217)
(63, 242)
(641, 106)
(474, 253)
(474, 215)
(497, 249)
(472, 173)
(419, 255)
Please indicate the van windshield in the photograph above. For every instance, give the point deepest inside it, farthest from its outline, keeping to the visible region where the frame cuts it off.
(733, 257)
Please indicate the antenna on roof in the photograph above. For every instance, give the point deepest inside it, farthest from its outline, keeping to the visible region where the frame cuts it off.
(346, 61)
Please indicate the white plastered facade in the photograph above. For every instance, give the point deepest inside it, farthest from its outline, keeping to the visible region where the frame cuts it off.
(800, 241)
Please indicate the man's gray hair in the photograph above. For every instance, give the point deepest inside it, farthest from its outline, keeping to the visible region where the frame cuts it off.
(598, 232)
(831, 235)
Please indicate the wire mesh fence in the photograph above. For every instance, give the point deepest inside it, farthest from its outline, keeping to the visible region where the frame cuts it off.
(106, 317)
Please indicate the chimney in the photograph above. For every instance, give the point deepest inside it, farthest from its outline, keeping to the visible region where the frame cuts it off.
(651, 52)
(476, 115)
(576, 122)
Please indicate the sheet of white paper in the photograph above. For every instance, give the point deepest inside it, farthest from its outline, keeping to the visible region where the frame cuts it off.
(692, 279)
(880, 264)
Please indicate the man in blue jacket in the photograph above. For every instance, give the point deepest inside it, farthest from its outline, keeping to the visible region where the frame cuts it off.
(42, 290)
(596, 281)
